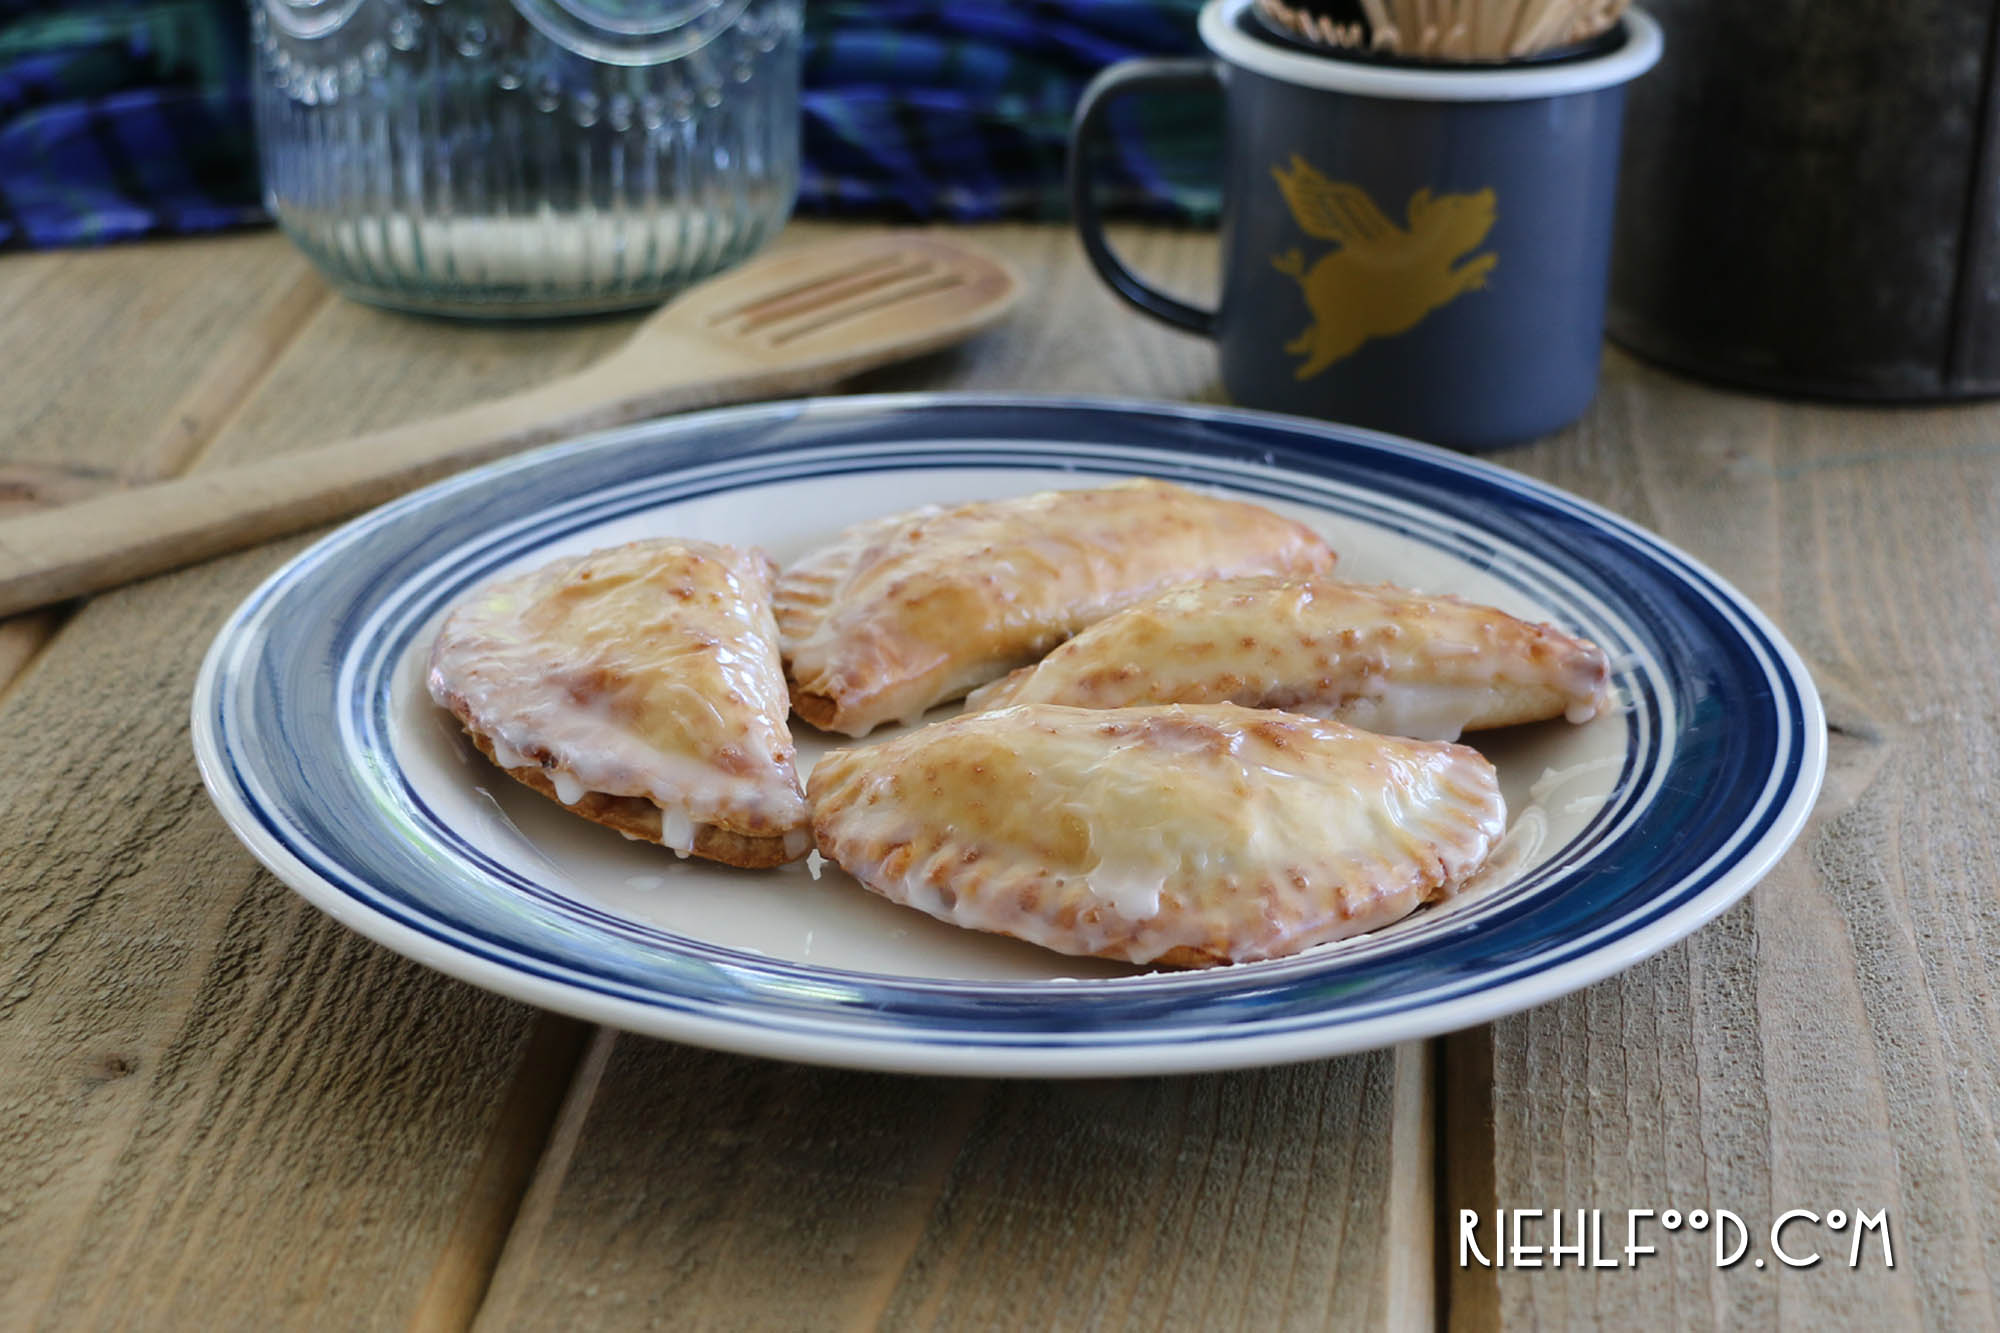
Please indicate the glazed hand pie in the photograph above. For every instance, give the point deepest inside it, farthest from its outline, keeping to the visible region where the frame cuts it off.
(1183, 836)
(902, 613)
(1378, 658)
(640, 687)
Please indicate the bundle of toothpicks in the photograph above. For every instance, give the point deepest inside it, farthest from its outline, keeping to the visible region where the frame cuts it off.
(1450, 30)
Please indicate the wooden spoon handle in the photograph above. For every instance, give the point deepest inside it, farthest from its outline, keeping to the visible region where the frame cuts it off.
(113, 538)
(786, 324)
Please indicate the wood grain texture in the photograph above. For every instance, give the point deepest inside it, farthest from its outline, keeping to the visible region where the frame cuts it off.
(100, 349)
(220, 1109)
(1830, 1043)
(779, 325)
(708, 1190)
(1292, 1198)
(1071, 334)
(249, 1115)
(253, 1117)
(521, 1130)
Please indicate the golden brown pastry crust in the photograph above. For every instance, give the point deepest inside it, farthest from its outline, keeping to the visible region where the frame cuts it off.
(901, 613)
(638, 818)
(1381, 658)
(1166, 835)
(640, 688)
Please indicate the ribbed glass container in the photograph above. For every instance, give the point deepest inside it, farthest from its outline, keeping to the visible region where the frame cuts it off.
(526, 157)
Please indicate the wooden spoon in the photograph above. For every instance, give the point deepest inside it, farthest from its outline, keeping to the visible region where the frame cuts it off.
(788, 323)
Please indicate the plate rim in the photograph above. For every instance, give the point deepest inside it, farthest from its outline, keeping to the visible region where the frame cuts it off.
(894, 1052)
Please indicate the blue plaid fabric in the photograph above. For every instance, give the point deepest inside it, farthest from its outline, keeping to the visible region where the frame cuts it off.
(960, 109)
(124, 118)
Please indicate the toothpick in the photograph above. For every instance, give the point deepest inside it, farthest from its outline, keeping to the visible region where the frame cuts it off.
(1380, 22)
(1459, 30)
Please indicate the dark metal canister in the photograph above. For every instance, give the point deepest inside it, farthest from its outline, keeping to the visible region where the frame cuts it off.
(1810, 200)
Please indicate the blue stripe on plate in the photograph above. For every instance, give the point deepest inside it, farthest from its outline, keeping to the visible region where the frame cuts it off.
(389, 634)
(283, 681)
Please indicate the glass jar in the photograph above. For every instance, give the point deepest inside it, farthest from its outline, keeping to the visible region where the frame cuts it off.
(526, 157)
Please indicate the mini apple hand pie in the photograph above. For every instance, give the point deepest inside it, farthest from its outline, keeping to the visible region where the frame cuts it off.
(1182, 836)
(640, 687)
(905, 612)
(1380, 658)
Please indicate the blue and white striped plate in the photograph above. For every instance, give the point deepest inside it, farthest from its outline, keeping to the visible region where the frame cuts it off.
(323, 753)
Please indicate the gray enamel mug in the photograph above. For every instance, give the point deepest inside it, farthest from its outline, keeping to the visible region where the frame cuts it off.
(1416, 249)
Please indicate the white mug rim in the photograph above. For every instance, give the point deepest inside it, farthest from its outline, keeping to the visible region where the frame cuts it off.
(1508, 83)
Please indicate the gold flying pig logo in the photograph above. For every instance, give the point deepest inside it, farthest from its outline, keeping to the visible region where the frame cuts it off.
(1383, 279)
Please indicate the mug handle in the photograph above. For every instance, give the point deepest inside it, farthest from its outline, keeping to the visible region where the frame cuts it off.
(1127, 77)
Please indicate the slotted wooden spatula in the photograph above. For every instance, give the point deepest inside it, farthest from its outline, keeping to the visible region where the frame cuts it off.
(789, 323)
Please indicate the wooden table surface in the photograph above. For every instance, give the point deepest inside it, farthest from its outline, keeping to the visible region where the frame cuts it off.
(219, 1109)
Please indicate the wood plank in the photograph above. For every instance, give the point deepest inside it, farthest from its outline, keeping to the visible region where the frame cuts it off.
(708, 1190)
(1071, 334)
(21, 639)
(464, 1266)
(685, 1182)
(209, 1085)
(248, 1114)
(213, 1092)
(1830, 1043)
(355, 368)
(101, 348)
(299, 1122)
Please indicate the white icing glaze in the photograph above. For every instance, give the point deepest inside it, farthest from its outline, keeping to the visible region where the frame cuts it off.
(1133, 896)
(1554, 780)
(507, 756)
(1515, 851)
(647, 670)
(1380, 658)
(677, 830)
(901, 613)
(1421, 711)
(1135, 832)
